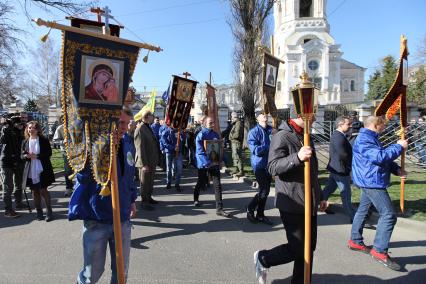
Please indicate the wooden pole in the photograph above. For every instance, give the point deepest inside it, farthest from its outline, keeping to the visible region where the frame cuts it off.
(116, 216)
(308, 206)
(57, 26)
(402, 187)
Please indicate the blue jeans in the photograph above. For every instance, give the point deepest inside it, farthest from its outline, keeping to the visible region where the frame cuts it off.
(387, 217)
(344, 184)
(96, 237)
(174, 167)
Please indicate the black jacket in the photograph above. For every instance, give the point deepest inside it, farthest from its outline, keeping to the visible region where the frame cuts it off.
(340, 154)
(47, 177)
(10, 146)
(288, 170)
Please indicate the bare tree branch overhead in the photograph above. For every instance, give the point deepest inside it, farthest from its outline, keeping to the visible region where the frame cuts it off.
(69, 7)
(248, 24)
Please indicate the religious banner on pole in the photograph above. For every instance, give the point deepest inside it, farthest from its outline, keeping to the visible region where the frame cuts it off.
(96, 75)
(180, 102)
(212, 110)
(270, 76)
(396, 100)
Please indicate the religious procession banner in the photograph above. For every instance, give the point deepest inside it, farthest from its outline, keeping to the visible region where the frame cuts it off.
(395, 99)
(95, 79)
(212, 110)
(180, 102)
(270, 75)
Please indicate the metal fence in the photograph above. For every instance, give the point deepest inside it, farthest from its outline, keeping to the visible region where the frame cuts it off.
(415, 132)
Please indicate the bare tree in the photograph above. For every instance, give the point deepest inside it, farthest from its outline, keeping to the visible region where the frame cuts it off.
(70, 7)
(43, 85)
(248, 24)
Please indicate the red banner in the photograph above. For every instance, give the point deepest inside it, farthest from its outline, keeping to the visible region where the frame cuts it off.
(212, 107)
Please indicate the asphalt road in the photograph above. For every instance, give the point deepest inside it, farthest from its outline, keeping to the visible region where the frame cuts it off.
(178, 243)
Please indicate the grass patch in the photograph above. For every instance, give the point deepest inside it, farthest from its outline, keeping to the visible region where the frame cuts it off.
(415, 187)
(57, 160)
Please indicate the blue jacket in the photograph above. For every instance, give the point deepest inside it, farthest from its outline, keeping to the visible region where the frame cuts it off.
(258, 140)
(169, 140)
(87, 204)
(205, 134)
(163, 128)
(371, 162)
(156, 128)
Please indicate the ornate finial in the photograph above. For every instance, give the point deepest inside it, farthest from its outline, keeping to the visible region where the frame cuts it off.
(304, 77)
(403, 41)
(305, 81)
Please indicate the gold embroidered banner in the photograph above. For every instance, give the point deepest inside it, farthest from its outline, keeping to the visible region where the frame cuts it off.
(180, 102)
(95, 79)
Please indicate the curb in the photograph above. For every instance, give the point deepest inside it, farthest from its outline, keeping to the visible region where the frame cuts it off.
(338, 208)
(59, 174)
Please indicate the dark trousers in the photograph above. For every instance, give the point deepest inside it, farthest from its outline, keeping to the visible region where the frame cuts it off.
(68, 172)
(11, 178)
(202, 183)
(264, 179)
(294, 225)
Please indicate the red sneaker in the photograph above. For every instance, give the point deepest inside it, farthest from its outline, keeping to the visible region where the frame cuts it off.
(385, 259)
(358, 247)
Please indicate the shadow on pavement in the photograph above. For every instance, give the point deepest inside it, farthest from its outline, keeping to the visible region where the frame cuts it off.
(416, 276)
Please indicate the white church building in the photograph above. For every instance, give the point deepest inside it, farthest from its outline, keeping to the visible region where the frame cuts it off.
(302, 40)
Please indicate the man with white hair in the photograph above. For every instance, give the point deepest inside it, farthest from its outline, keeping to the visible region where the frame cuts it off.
(236, 137)
(147, 158)
(372, 165)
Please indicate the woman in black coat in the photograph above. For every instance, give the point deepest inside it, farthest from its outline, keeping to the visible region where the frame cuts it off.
(38, 171)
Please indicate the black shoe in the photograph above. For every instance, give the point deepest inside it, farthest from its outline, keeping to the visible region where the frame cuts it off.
(152, 201)
(178, 188)
(21, 206)
(49, 216)
(251, 217)
(329, 211)
(240, 174)
(197, 203)
(220, 212)
(11, 214)
(169, 186)
(40, 216)
(264, 219)
(369, 226)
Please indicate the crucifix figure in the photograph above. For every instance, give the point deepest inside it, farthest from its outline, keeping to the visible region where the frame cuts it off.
(107, 16)
(100, 143)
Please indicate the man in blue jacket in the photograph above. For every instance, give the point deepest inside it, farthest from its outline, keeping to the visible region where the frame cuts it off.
(96, 211)
(173, 160)
(259, 139)
(372, 165)
(206, 167)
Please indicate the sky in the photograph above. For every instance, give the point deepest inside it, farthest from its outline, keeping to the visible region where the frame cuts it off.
(196, 37)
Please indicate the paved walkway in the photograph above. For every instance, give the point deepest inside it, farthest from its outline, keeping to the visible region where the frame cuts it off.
(178, 243)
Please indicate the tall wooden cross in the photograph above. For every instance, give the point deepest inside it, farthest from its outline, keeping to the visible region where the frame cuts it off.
(99, 12)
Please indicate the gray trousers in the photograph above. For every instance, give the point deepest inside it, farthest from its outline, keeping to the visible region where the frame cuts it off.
(12, 178)
(147, 184)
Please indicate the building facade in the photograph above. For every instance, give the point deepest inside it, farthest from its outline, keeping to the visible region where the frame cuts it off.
(302, 40)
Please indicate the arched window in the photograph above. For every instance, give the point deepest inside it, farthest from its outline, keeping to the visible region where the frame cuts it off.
(346, 86)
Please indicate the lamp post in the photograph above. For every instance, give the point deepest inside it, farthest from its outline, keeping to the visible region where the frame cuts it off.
(305, 102)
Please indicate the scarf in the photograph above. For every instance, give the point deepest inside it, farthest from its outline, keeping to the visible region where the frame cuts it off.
(35, 167)
(297, 128)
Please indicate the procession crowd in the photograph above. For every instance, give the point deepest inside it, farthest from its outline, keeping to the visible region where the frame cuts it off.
(356, 156)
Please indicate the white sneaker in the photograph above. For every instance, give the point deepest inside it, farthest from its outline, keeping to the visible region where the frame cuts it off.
(261, 271)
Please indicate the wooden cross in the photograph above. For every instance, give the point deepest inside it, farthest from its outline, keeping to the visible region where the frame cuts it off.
(186, 74)
(98, 11)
